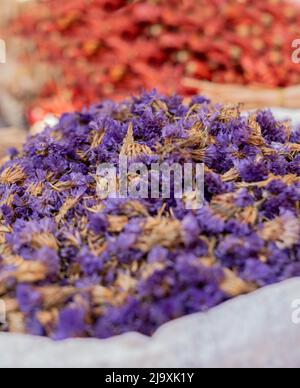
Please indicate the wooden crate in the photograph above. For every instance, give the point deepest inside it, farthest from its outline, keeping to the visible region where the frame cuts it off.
(250, 96)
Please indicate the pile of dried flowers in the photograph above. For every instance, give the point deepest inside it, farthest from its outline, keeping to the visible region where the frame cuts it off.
(102, 54)
(73, 265)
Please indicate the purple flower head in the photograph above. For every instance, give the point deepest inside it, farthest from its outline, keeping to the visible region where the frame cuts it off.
(158, 254)
(89, 263)
(234, 250)
(272, 130)
(50, 258)
(28, 298)
(175, 130)
(12, 152)
(276, 187)
(191, 230)
(8, 214)
(253, 171)
(256, 271)
(71, 323)
(244, 198)
(199, 100)
(210, 223)
(295, 136)
(98, 223)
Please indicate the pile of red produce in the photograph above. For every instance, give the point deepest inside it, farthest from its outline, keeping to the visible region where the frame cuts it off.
(111, 48)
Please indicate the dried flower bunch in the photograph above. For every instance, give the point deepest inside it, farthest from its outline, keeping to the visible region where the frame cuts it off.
(106, 54)
(75, 265)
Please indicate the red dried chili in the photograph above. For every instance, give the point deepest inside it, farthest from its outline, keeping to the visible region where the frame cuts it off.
(149, 44)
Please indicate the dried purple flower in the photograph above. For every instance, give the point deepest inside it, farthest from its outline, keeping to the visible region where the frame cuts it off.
(76, 265)
(71, 323)
(29, 299)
